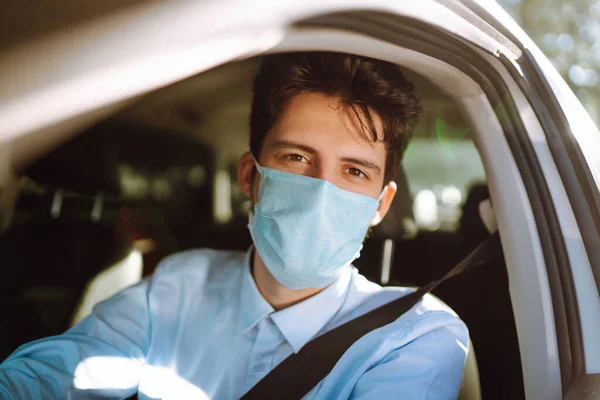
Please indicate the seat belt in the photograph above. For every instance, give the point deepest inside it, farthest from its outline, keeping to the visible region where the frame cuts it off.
(300, 372)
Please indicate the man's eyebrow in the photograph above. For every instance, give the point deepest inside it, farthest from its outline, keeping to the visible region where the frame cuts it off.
(286, 144)
(363, 163)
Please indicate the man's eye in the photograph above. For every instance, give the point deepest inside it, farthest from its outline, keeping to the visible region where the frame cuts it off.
(356, 173)
(295, 157)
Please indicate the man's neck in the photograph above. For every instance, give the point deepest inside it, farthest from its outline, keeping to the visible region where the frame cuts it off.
(277, 295)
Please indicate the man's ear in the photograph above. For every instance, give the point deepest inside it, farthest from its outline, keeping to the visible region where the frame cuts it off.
(385, 203)
(246, 172)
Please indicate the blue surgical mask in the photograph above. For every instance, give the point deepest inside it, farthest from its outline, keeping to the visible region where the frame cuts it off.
(306, 230)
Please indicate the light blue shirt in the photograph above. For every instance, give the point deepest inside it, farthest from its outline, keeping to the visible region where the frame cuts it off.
(200, 329)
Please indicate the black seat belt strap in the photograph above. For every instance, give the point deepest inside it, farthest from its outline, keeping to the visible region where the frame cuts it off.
(300, 372)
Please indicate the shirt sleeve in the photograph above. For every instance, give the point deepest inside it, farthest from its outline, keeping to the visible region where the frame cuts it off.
(100, 357)
(428, 367)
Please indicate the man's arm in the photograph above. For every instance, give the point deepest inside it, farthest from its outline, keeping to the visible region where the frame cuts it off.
(101, 356)
(429, 367)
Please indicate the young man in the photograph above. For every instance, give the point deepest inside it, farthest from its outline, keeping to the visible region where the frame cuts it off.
(327, 134)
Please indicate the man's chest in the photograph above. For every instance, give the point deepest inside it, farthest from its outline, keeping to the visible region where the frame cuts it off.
(214, 354)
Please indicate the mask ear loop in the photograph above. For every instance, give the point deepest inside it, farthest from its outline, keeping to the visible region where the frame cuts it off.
(383, 192)
(259, 168)
(377, 218)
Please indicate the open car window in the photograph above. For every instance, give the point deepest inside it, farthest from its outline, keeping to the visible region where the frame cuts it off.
(165, 171)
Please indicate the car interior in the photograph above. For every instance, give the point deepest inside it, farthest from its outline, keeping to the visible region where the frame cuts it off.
(97, 212)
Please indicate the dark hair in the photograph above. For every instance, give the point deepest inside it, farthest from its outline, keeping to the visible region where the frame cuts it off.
(364, 84)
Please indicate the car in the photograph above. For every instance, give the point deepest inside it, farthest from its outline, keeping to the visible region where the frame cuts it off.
(120, 123)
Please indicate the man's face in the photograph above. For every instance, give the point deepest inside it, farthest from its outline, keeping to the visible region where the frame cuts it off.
(316, 136)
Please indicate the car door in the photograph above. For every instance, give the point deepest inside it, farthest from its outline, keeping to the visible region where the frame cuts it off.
(567, 144)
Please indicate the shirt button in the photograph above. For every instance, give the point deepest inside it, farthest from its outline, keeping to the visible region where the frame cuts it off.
(259, 367)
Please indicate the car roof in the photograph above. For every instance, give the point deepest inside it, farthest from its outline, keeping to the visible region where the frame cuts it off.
(65, 43)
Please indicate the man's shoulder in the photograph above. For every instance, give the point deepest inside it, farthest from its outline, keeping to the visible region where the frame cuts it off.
(428, 314)
(422, 349)
(200, 265)
(365, 295)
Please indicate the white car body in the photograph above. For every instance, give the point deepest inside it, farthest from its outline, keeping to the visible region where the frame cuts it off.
(543, 168)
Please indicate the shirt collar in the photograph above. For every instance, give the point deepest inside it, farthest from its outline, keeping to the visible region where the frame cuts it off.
(301, 322)
(298, 323)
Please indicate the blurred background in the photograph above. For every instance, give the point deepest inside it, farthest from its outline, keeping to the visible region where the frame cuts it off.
(568, 32)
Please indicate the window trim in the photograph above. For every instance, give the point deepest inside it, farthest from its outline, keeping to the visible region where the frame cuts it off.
(568, 155)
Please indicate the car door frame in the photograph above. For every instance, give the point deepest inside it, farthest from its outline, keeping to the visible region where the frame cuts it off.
(572, 354)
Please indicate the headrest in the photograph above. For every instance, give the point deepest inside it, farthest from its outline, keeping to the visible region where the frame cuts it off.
(488, 217)
(474, 223)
